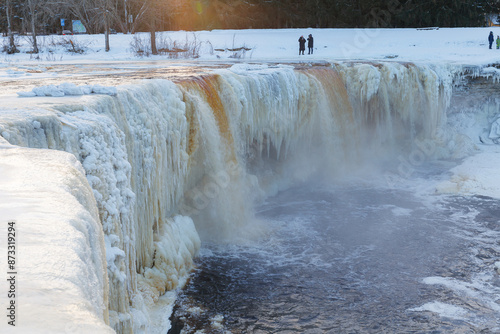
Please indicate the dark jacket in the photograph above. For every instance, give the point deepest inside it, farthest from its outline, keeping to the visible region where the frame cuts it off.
(310, 41)
(302, 43)
(491, 38)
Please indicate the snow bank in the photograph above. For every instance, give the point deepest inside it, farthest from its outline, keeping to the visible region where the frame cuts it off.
(476, 175)
(62, 283)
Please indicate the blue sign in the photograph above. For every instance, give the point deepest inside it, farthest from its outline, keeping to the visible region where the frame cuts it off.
(62, 22)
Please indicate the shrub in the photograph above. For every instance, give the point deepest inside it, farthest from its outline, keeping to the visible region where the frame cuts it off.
(70, 44)
(189, 48)
(7, 48)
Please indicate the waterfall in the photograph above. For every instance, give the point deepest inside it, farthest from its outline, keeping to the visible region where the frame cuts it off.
(170, 162)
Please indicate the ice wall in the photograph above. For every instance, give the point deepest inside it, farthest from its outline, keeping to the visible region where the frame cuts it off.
(133, 148)
(160, 155)
(399, 101)
(475, 106)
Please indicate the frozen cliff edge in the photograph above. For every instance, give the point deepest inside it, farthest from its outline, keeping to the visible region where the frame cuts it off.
(162, 158)
(61, 283)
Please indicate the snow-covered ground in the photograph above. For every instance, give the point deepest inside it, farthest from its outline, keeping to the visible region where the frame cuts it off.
(42, 182)
(460, 45)
(448, 45)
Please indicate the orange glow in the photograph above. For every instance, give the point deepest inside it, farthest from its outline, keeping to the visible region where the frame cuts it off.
(338, 99)
(208, 87)
(214, 14)
(335, 90)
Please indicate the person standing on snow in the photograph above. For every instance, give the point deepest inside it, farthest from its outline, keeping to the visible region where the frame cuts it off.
(302, 44)
(310, 44)
(491, 38)
(498, 42)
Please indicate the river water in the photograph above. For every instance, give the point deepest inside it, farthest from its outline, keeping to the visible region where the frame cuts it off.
(353, 258)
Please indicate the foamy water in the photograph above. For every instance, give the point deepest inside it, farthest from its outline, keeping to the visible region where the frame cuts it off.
(356, 258)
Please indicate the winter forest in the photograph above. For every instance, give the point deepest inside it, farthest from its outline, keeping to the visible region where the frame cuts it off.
(44, 16)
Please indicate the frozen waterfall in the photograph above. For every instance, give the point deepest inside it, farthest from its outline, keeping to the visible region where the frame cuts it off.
(166, 163)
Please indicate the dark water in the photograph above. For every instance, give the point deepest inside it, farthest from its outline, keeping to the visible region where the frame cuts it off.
(354, 259)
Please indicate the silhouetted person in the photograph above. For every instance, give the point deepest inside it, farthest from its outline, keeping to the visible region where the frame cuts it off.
(491, 38)
(310, 44)
(302, 44)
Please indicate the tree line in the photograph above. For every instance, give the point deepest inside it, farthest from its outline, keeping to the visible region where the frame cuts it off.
(98, 16)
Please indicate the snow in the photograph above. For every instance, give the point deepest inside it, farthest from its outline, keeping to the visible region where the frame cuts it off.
(497, 267)
(143, 146)
(477, 175)
(435, 45)
(62, 283)
(479, 291)
(68, 88)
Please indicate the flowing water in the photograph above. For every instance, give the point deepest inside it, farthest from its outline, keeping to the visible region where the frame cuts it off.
(353, 258)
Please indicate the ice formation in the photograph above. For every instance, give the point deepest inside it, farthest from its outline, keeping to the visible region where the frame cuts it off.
(162, 158)
(68, 88)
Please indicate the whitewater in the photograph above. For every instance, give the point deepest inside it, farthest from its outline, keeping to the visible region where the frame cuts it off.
(285, 196)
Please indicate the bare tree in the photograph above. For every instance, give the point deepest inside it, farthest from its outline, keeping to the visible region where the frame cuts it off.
(12, 45)
(34, 8)
(88, 12)
(138, 11)
(125, 7)
(119, 15)
(95, 15)
(148, 13)
(105, 18)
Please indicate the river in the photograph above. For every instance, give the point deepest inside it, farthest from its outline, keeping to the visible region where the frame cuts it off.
(355, 257)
